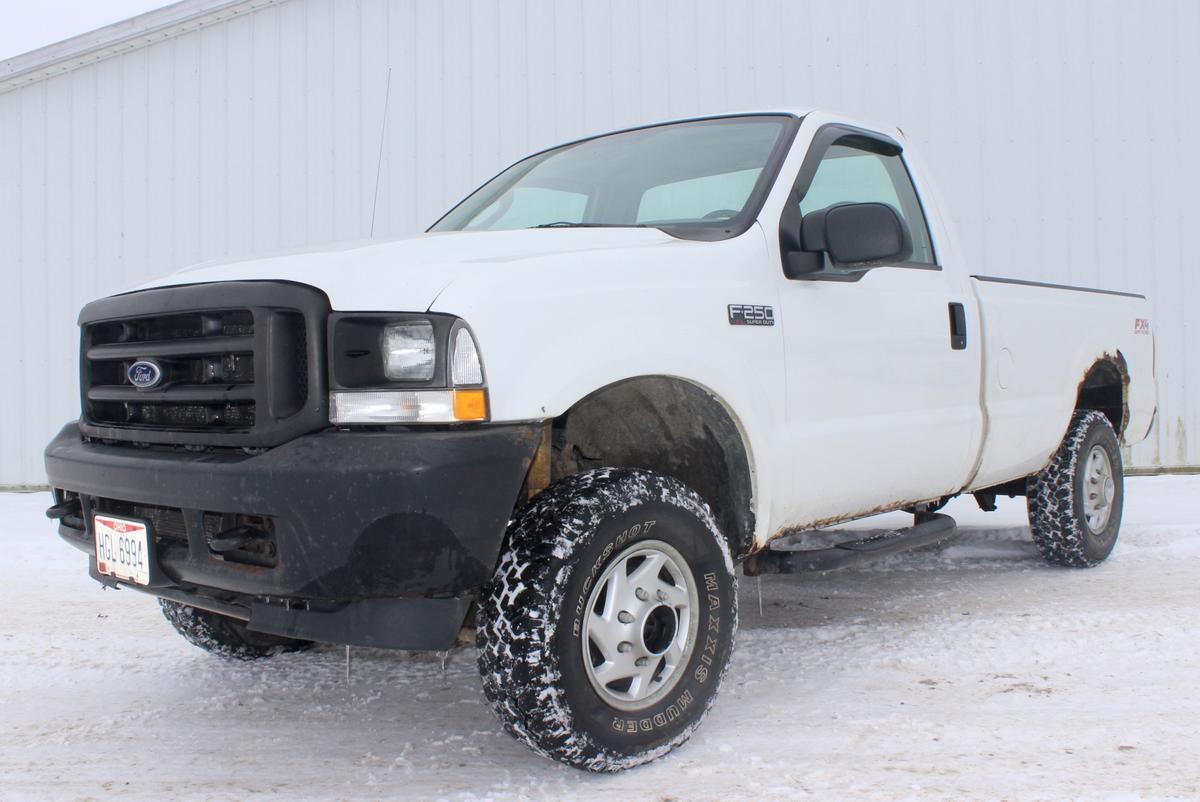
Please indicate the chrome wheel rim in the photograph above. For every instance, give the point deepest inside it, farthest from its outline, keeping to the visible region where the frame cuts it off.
(1099, 489)
(639, 630)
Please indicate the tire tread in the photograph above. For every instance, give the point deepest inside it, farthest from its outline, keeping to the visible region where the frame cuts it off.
(1058, 531)
(515, 631)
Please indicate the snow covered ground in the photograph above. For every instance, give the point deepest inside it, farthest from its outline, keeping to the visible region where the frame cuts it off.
(971, 671)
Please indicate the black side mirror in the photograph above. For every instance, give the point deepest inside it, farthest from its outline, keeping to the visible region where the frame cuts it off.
(856, 236)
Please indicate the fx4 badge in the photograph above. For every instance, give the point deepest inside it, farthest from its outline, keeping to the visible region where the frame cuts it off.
(751, 315)
(1141, 326)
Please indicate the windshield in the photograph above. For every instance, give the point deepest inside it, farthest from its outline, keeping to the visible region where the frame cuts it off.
(701, 178)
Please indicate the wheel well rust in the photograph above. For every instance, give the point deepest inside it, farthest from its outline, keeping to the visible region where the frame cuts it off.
(1105, 387)
(667, 425)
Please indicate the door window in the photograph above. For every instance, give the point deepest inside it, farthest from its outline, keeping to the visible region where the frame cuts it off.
(848, 174)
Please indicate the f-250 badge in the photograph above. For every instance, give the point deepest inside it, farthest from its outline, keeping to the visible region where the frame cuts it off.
(751, 315)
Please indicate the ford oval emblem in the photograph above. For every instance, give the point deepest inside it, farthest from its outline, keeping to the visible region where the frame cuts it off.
(144, 374)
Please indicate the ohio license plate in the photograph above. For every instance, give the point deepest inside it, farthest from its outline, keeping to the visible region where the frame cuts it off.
(122, 548)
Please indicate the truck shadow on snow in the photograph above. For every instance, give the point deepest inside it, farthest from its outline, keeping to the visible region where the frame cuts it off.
(956, 570)
(405, 714)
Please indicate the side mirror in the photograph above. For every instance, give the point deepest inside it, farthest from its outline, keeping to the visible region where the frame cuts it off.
(857, 236)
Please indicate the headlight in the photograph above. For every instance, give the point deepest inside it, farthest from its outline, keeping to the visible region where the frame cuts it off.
(404, 368)
(408, 351)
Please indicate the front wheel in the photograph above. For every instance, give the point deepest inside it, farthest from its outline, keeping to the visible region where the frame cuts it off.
(224, 636)
(610, 621)
(1075, 503)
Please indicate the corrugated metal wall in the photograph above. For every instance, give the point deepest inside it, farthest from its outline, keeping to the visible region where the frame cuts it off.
(1057, 130)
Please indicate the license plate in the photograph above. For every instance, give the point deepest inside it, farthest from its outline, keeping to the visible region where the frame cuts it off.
(122, 548)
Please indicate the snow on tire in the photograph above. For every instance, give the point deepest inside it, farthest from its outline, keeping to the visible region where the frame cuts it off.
(1075, 502)
(224, 636)
(610, 621)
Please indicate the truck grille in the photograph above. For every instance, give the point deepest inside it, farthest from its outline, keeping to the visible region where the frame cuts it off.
(207, 363)
(235, 375)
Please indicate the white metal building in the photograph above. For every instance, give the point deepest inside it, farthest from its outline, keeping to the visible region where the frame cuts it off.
(1061, 133)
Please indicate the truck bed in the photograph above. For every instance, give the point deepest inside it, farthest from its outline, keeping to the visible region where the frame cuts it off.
(1033, 335)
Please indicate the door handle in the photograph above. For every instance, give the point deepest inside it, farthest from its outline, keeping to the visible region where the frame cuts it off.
(958, 327)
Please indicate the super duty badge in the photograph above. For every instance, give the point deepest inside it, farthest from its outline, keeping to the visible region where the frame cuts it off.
(751, 315)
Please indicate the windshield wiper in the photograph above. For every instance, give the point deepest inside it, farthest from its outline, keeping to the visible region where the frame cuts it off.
(568, 224)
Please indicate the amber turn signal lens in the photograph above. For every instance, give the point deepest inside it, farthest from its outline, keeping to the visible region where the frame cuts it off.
(470, 405)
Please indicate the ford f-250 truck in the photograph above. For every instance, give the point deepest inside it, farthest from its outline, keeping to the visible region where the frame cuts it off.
(565, 413)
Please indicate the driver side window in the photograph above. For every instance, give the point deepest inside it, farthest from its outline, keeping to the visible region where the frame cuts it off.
(849, 174)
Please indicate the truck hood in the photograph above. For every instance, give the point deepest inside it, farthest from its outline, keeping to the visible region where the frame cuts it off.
(409, 274)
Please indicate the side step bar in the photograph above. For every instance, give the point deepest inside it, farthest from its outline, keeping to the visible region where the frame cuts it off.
(788, 556)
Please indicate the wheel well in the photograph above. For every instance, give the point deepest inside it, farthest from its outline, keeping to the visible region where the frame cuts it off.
(1104, 388)
(666, 425)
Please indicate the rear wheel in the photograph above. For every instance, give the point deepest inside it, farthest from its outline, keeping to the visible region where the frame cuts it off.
(610, 621)
(1075, 503)
(225, 636)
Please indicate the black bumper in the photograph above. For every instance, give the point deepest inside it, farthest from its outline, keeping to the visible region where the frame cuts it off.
(379, 538)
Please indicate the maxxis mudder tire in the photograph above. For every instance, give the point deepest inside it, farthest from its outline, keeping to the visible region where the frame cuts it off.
(224, 636)
(1075, 502)
(547, 620)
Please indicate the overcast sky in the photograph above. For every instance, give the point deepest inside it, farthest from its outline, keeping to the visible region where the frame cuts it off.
(28, 25)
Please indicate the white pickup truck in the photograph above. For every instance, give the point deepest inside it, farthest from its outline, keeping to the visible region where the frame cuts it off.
(565, 413)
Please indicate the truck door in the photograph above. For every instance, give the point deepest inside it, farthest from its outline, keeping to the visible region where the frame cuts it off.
(882, 391)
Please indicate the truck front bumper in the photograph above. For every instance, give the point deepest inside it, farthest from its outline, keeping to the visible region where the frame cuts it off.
(368, 538)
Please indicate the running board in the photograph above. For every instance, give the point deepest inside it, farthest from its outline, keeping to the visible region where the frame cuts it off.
(788, 556)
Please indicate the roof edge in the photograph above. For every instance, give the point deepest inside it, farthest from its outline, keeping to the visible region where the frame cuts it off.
(120, 37)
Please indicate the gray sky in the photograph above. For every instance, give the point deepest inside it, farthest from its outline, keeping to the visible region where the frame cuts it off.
(29, 25)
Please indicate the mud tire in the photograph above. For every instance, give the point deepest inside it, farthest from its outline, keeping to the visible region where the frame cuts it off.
(1055, 496)
(531, 653)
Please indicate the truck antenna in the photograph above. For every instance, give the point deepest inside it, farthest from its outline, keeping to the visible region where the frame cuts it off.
(387, 94)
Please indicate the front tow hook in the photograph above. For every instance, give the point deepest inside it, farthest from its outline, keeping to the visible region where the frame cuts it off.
(64, 509)
(239, 537)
